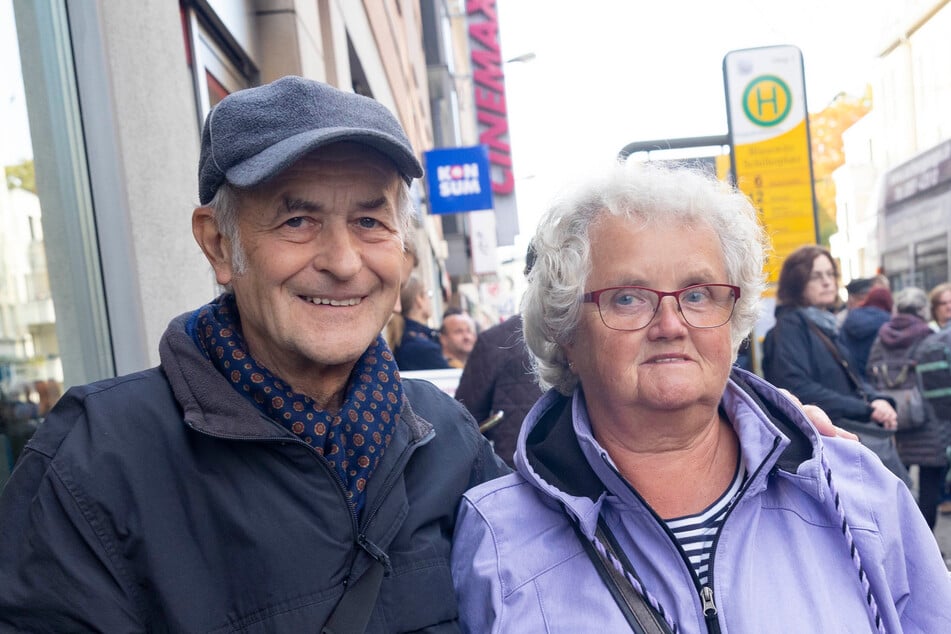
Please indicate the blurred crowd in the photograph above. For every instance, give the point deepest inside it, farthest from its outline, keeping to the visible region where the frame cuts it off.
(21, 410)
(863, 360)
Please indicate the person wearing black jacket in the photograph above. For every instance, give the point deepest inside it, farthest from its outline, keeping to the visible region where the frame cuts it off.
(795, 355)
(274, 473)
(803, 353)
(499, 380)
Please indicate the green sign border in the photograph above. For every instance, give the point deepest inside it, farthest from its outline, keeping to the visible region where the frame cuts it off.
(781, 117)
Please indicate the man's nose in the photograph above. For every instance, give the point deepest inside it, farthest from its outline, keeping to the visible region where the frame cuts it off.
(338, 252)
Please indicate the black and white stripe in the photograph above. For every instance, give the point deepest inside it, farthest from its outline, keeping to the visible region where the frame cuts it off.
(696, 533)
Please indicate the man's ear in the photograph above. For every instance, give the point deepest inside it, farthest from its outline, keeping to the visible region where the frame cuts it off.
(216, 247)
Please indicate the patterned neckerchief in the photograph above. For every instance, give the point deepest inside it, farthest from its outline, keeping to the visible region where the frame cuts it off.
(352, 440)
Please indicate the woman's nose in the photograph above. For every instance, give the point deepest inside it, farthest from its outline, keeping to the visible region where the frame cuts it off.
(668, 315)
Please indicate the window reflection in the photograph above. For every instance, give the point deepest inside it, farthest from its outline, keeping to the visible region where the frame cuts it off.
(31, 371)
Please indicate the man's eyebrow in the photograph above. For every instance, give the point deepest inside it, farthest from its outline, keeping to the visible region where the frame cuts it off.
(299, 204)
(376, 203)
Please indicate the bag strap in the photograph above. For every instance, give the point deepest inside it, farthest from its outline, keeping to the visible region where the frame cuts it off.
(642, 618)
(352, 613)
(880, 370)
(837, 355)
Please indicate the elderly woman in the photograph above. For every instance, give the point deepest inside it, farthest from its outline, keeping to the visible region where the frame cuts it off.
(657, 485)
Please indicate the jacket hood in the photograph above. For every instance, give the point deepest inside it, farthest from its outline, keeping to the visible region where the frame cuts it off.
(550, 455)
(903, 330)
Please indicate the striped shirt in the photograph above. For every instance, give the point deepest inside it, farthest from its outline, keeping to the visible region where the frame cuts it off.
(696, 533)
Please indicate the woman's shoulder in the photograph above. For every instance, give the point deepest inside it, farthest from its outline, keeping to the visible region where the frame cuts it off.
(515, 506)
(501, 493)
(790, 320)
(789, 314)
(506, 516)
(861, 480)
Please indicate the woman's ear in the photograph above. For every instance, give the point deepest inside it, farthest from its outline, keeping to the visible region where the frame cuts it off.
(215, 246)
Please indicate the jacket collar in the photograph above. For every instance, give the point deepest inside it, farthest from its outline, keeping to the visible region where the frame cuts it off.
(550, 456)
(210, 404)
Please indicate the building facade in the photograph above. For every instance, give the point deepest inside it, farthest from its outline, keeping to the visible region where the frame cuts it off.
(895, 205)
(101, 126)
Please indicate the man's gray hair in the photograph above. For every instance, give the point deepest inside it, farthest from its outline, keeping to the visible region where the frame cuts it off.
(226, 205)
(649, 195)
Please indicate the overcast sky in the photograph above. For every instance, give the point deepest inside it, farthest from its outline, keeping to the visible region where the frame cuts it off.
(609, 72)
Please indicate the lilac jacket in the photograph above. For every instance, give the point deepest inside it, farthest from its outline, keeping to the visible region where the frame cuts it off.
(783, 560)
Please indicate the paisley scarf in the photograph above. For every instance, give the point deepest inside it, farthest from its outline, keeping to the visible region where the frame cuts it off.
(353, 440)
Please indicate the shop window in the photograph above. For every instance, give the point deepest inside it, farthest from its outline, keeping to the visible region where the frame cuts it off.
(897, 265)
(931, 262)
(218, 67)
(53, 328)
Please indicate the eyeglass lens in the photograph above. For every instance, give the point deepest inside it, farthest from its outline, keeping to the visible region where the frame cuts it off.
(632, 308)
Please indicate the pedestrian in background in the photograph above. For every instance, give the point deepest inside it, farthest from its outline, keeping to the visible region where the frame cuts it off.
(498, 380)
(419, 347)
(395, 326)
(940, 300)
(274, 473)
(922, 438)
(804, 353)
(856, 291)
(860, 327)
(457, 336)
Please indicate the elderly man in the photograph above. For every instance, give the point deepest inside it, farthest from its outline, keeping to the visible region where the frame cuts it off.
(274, 473)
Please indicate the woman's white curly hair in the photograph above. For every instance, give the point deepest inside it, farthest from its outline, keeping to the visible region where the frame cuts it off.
(647, 194)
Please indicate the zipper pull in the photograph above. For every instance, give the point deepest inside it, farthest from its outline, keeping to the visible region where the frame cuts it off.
(374, 551)
(709, 607)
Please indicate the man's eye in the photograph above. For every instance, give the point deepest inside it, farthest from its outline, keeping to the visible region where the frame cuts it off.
(369, 223)
(295, 222)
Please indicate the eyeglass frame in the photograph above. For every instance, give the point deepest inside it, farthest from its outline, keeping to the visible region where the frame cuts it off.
(594, 297)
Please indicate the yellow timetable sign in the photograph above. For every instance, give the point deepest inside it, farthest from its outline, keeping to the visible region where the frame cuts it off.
(770, 144)
(776, 175)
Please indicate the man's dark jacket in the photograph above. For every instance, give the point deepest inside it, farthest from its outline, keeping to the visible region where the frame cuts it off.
(164, 501)
(498, 377)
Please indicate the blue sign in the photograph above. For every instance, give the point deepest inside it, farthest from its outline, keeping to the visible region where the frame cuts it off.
(459, 179)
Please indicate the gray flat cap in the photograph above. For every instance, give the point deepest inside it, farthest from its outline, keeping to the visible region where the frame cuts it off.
(254, 134)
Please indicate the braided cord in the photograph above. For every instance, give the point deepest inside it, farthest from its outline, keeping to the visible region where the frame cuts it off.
(870, 602)
(651, 599)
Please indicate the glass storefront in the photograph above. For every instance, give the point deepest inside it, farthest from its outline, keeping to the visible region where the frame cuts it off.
(53, 332)
(58, 253)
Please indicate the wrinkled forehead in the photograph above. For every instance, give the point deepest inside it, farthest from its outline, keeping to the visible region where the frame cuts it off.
(346, 158)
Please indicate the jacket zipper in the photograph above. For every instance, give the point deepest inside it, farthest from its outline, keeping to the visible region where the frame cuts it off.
(372, 549)
(705, 592)
(359, 538)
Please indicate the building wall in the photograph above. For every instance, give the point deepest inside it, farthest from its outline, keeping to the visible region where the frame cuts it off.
(131, 155)
(156, 127)
(911, 115)
(281, 37)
